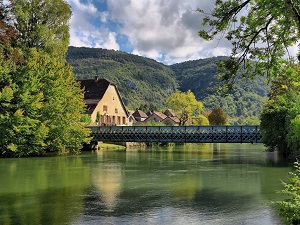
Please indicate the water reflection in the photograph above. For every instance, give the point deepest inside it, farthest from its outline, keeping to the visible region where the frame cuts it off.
(42, 190)
(187, 184)
(107, 179)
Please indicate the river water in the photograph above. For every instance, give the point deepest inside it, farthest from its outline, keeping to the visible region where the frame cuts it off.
(187, 184)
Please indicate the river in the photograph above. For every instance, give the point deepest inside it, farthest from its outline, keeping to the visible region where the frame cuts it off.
(222, 184)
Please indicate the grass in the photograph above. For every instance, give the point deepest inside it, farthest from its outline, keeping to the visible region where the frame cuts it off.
(106, 146)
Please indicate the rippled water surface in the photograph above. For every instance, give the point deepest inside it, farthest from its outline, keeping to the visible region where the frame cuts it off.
(186, 184)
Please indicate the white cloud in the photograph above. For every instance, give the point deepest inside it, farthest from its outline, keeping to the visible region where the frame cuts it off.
(111, 42)
(169, 27)
(160, 29)
(88, 27)
(153, 54)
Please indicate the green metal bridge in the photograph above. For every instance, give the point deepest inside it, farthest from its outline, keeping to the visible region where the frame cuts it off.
(177, 134)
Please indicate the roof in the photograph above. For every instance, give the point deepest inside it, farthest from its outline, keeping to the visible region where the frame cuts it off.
(94, 88)
(139, 113)
(159, 114)
(130, 112)
(170, 113)
(174, 118)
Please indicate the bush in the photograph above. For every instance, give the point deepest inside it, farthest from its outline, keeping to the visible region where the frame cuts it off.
(289, 209)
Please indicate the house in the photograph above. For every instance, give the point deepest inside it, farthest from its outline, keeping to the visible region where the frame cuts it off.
(102, 97)
(169, 113)
(171, 121)
(171, 118)
(131, 119)
(139, 115)
(156, 116)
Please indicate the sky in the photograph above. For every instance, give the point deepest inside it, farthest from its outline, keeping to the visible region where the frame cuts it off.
(164, 30)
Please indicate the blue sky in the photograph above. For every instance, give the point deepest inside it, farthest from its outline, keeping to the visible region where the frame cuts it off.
(164, 30)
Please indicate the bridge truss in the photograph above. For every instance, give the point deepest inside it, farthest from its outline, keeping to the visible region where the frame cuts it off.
(178, 134)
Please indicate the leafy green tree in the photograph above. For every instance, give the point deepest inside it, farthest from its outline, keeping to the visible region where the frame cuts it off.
(184, 105)
(41, 106)
(41, 102)
(200, 120)
(63, 102)
(289, 209)
(98, 117)
(260, 31)
(273, 123)
(41, 24)
(217, 117)
(279, 118)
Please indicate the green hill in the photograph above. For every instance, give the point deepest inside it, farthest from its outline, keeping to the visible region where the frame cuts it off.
(140, 80)
(145, 83)
(243, 104)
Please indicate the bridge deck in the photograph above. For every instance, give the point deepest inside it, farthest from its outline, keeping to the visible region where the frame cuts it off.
(180, 134)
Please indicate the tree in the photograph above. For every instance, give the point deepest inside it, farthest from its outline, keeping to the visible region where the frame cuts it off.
(279, 118)
(289, 209)
(200, 120)
(217, 117)
(41, 102)
(184, 105)
(7, 32)
(41, 106)
(41, 24)
(260, 32)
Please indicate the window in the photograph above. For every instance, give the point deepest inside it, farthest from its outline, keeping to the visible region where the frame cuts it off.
(116, 110)
(105, 108)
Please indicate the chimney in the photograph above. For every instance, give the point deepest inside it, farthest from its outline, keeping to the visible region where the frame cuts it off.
(96, 78)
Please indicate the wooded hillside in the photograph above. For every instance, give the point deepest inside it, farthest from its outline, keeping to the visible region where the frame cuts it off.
(140, 80)
(145, 83)
(243, 104)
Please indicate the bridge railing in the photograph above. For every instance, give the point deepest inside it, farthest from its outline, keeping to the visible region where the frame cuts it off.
(182, 134)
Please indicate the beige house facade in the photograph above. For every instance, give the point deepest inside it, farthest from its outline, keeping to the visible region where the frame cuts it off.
(103, 98)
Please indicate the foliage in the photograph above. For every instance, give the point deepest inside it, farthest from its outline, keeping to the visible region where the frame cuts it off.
(289, 209)
(153, 123)
(200, 120)
(41, 102)
(98, 117)
(273, 123)
(7, 33)
(184, 105)
(41, 105)
(41, 24)
(260, 31)
(242, 104)
(217, 117)
(280, 116)
(86, 119)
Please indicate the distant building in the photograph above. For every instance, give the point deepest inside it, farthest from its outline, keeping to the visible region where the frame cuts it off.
(156, 116)
(139, 115)
(102, 96)
(131, 119)
(171, 119)
(169, 113)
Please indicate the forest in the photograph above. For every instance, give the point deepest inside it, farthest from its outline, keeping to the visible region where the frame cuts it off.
(146, 84)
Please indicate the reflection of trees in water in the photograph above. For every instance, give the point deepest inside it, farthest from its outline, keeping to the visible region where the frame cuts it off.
(50, 207)
(42, 190)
